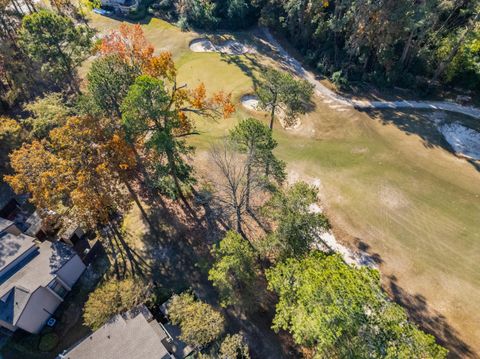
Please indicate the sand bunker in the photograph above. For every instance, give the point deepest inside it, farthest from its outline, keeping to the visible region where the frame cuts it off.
(464, 140)
(327, 242)
(229, 47)
(250, 102)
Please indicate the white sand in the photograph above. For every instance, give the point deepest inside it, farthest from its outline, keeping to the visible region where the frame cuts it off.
(327, 241)
(464, 140)
(229, 47)
(250, 102)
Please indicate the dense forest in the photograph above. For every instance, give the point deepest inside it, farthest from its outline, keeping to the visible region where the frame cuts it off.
(404, 43)
(407, 43)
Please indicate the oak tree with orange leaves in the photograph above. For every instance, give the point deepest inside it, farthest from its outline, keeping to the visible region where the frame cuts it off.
(129, 43)
(81, 171)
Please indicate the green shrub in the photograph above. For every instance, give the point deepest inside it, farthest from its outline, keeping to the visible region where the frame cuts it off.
(182, 23)
(339, 80)
(48, 342)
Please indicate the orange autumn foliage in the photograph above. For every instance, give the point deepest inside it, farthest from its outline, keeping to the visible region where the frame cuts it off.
(129, 43)
(81, 170)
(218, 101)
(40, 173)
(160, 66)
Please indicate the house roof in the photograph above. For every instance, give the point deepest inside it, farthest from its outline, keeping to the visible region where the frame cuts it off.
(12, 247)
(35, 270)
(4, 224)
(12, 307)
(124, 337)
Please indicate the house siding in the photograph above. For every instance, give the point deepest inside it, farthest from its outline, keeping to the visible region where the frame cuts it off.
(41, 305)
(71, 271)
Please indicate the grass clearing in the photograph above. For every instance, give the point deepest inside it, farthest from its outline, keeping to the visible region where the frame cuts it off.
(389, 182)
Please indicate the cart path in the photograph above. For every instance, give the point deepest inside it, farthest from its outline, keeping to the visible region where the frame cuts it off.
(342, 102)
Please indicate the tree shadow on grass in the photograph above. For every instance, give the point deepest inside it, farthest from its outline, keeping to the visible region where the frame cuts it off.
(413, 123)
(247, 63)
(366, 252)
(430, 321)
(422, 124)
(180, 260)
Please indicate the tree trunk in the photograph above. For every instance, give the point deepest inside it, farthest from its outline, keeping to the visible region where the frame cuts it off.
(272, 119)
(138, 203)
(249, 180)
(239, 220)
(272, 116)
(68, 68)
(406, 49)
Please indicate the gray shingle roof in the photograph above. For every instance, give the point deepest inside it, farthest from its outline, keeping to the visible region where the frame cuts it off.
(31, 272)
(123, 337)
(4, 224)
(34, 223)
(12, 307)
(11, 247)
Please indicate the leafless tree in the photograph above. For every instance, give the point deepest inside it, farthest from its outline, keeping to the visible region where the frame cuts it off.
(236, 181)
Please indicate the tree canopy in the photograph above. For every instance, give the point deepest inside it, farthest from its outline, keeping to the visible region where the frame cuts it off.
(297, 225)
(200, 324)
(79, 172)
(340, 311)
(109, 79)
(156, 107)
(283, 95)
(235, 271)
(387, 42)
(56, 42)
(10, 140)
(112, 297)
(234, 347)
(48, 112)
(256, 140)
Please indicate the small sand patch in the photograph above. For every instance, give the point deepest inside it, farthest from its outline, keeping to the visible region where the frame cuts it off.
(251, 103)
(464, 140)
(359, 150)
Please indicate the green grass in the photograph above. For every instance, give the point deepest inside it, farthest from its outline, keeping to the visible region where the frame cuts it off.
(387, 180)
